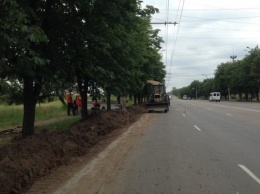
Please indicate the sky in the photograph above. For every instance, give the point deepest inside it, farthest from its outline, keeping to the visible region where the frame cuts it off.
(207, 34)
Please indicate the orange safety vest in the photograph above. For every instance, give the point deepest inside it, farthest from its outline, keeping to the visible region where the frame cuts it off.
(69, 97)
(96, 104)
(78, 100)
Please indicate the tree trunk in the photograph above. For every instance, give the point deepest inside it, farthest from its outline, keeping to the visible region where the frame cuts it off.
(108, 98)
(139, 98)
(61, 98)
(118, 99)
(246, 96)
(83, 90)
(29, 102)
(135, 100)
(257, 94)
(240, 96)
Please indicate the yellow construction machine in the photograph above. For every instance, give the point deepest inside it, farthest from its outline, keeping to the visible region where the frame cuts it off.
(157, 100)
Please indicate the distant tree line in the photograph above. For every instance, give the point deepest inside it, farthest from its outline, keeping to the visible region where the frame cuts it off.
(48, 46)
(240, 77)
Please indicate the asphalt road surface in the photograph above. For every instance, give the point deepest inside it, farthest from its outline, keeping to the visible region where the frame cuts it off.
(198, 147)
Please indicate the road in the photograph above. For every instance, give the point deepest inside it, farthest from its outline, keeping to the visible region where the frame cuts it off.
(197, 147)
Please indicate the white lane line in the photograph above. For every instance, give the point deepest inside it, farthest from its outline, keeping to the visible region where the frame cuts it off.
(249, 173)
(209, 109)
(184, 115)
(197, 128)
(230, 115)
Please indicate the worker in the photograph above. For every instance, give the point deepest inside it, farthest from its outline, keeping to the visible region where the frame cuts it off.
(75, 107)
(69, 102)
(79, 103)
(96, 105)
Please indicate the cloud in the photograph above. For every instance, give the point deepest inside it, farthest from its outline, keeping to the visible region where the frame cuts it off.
(208, 33)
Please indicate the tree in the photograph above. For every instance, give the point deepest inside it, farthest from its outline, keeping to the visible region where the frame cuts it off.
(253, 61)
(207, 86)
(221, 79)
(49, 45)
(21, 59)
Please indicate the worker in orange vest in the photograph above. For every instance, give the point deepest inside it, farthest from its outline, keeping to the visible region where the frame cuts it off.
(79, 103)
(69, 102)
(96, 105)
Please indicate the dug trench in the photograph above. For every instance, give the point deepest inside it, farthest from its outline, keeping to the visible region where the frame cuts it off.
(28, 162)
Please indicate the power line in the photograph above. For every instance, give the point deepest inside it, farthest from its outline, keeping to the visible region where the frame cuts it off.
(164, 23)
(220, 9)
(175, 40)
(218, 38)
(220, 29)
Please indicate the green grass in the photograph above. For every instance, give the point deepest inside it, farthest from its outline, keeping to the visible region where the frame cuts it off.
(11, 116)
(54, 127)
(50, 110)
(59, 125)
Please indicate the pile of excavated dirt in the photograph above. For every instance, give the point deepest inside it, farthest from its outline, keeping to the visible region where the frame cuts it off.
(22, 162)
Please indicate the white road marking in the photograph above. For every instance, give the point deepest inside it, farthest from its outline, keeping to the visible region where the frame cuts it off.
(184, 115)
(250, 173)
(197, 128)
(229, 114)
(209, 109)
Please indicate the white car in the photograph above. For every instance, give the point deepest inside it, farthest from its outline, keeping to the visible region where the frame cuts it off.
(215, 96)
(185, 97)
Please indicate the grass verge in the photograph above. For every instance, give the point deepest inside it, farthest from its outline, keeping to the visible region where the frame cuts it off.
(59, 126)
(11, 116)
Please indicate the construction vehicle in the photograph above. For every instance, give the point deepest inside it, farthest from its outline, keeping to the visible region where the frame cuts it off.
(157, 99)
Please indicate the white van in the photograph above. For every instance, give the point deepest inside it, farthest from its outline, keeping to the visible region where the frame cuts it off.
(185, 97)
(214, 96)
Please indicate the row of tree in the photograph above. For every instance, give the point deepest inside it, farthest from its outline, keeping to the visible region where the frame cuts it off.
(49, 45)
(239, 77)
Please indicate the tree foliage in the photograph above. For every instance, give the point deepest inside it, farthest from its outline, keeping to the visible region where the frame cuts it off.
(49, 46)
(231, 78)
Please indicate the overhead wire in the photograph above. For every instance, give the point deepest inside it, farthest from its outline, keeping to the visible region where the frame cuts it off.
(169, 71)
(166, 31)
(176, 37)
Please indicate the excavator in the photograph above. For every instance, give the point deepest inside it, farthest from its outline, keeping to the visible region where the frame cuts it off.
(157, 100)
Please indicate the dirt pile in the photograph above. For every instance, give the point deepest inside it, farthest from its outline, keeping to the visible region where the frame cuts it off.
(22, 162)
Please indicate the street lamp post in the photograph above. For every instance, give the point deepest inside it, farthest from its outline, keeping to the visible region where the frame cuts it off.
(233, 57)
(195, 91)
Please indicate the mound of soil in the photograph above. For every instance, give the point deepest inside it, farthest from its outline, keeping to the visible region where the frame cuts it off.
(22, 162)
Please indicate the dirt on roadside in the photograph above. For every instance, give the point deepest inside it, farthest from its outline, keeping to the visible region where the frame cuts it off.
(26, 160)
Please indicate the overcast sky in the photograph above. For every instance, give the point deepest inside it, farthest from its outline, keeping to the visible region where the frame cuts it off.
(208, 33)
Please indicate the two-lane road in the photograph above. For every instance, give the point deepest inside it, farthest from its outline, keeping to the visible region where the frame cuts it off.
(197, 147)
(231, 132)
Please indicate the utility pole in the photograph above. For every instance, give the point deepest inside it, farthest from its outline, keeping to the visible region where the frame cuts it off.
(196, 91)
(233, 57)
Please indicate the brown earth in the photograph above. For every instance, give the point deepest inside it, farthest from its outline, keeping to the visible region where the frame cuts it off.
(27, 160)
